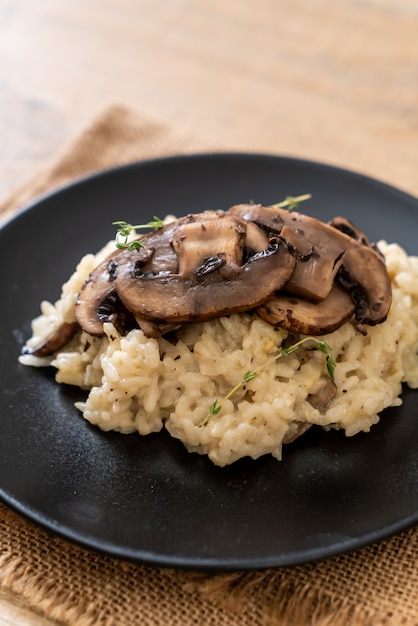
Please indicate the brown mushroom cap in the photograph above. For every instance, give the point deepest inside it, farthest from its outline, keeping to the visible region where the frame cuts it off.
(319, 247)
(296, 430)
(210, 264)
(363, 274)
(211, 281)
(347, 227)
(349, 258)
(56, 340)
(324, 396)
(197, 243)
(153, 329)
(320, 401)
(298, 315)
(98, 301)
(319, 258)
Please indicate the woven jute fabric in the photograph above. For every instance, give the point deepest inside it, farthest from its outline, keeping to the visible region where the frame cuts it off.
(374, 586)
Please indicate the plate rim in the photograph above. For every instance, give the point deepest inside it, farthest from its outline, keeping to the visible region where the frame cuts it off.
(43, 196)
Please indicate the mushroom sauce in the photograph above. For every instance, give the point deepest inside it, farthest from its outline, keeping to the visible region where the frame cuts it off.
(236, 330)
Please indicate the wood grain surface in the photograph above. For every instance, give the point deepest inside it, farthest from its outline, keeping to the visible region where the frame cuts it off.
(334, 81)
(324, 80)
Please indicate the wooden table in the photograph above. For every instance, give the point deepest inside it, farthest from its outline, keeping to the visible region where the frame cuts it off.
(325, 80)
(336, 82)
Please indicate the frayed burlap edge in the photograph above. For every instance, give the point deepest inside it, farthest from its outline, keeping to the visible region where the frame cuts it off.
(286, 603)
(76, 587)
(116, 137)
(263, 598)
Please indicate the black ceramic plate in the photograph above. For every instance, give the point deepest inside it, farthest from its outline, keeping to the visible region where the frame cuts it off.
(147, 499)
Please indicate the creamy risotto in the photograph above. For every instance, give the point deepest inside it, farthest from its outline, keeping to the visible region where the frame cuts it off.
(138, 383)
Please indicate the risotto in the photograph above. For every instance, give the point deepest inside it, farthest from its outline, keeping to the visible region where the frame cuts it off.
(229, 387)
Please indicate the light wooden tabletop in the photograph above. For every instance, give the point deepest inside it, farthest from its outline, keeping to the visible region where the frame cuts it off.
(335, 81)
(329, 81)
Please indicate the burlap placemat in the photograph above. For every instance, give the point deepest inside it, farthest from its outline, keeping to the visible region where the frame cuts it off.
(375, 586)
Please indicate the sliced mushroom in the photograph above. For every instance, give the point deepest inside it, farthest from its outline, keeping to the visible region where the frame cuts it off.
(209, 244)
(164, 258)
(360, 268)
(98, 302)
(210, 281)
(151, 329)
(348, 228)
(298, 315)
(55, 341)
(271, 218)
(211, 264)
(319, 248)
(319, 258)
(256, 239)
(296, 430)
(364, 276)
(324, 396)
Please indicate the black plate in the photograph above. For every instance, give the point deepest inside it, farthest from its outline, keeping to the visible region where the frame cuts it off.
(147, 499)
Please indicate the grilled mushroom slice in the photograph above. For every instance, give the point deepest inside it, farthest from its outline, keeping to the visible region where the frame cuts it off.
(363, 274)
(207, 245)
(56, 340)
(320, 401)
(348, 228)
(212, 279)
(98, 301)
(319, 248)
(154, 330)
(351, 230)
(358, 267)
(298, 315)
(296, 430)
(211, 264)
(324, 396)
(320, 256)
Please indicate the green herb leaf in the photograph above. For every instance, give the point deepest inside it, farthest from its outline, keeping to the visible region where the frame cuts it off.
(135, 245)
(125, 230)
(288, 351)
(323, 346)
(331, 365)
(215, 408)
(250, 375)
(292, 202)
(155, 224)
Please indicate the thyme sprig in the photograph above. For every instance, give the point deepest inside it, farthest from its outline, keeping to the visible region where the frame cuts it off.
(319, 344)
(125, 230)
(292, 202)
